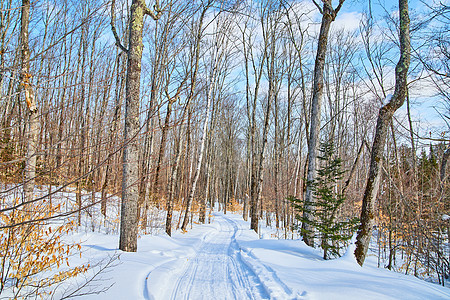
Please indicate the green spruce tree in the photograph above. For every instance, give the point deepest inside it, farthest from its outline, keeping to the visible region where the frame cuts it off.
(332, 233)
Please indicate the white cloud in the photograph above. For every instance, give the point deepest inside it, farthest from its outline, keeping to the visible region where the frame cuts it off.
(348, 21)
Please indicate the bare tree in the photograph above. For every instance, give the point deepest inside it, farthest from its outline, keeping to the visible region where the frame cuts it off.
(384, 119)
(193, 64)
(130, 193)
(218, 52)
(32, 127)
(328, 16)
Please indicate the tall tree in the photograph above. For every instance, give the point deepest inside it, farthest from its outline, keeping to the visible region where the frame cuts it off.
(32, 128)
(216, 57)
(328, 16)
(130, 187)
(385, 115)
(193, 64)
(269, 20)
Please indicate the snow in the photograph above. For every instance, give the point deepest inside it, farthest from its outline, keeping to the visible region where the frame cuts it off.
(226, 260)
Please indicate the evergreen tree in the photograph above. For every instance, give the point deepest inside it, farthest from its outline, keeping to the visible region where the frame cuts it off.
(331, 232)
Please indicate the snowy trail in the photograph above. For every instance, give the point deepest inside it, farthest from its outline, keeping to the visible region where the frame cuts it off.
(227, 260)
(216, 272)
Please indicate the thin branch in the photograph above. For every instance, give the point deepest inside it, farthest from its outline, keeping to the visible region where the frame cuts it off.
(113, 27)
(60, 215)
(3, 210)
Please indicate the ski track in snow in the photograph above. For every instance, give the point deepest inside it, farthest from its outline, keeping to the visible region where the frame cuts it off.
(216, 272)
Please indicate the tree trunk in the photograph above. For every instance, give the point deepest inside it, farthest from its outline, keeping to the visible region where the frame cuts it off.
(353, 169)
(129, 221)
(174, 179)
(165, 128)
(130, 187)
(112, 133)
(276, 158)
(32, 128)
(272, 94)
(384, 118)
(328, 16)
(146, 153)
(254, 214)
(195, 65)
(202, 141)
(202, 212)
(445, 157)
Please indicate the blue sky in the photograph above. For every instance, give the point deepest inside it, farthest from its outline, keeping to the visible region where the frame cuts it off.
(424, 105)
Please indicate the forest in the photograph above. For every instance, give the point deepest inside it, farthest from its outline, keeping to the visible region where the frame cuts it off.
(322, 119)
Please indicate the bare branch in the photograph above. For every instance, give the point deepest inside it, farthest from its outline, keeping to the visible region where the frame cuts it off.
(156, 12)
(113, 27)
(338, 8)
(318, 7)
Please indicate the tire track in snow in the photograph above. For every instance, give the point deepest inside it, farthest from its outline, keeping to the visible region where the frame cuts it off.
(216, 272)
(271, 283)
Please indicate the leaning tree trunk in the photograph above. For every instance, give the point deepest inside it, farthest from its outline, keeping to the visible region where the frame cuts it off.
(384, 118)
(202, 142)
(162, 147)
(130, 186)
(195, 66)
(174, 179)
(112, 135)
(254, 216)
(203, 202)
(328, 16)
(32, 128)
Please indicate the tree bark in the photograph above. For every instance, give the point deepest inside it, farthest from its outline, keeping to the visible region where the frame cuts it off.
(384, 118)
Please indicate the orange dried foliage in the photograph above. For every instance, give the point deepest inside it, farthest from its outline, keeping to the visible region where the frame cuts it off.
(33, 253)
(235, 206)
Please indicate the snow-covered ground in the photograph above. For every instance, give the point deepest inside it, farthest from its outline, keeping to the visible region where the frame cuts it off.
(226, 260)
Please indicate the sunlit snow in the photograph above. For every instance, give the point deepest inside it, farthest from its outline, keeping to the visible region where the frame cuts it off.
(226, 260)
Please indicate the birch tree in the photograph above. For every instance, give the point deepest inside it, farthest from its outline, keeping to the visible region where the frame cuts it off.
(218, 52)
(193, 66)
